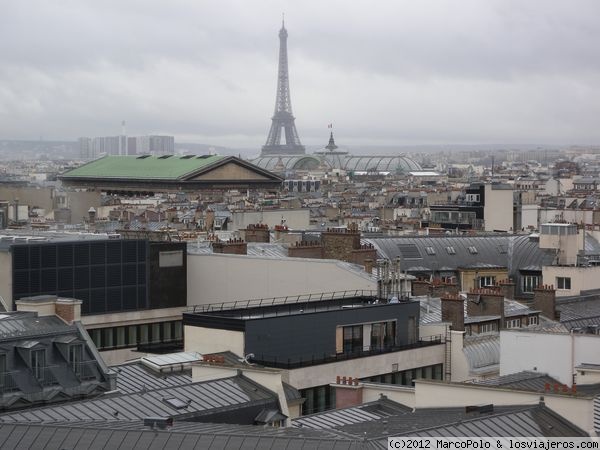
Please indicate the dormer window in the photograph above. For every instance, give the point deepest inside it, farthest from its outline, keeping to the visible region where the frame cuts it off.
(76, 357)
(38, 363)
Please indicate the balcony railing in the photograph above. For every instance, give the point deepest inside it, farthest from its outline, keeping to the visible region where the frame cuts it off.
(7, 382)
(45, 375)
(305, 298)
(85, 370)
(296, 363)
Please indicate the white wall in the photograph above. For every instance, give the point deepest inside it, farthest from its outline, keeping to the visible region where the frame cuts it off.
(212, 340)
(498, 209)
(582, 278)
(401, 394)
(529, 216)
(6, 278)
(365, 367)
(217, 278)
(556, 354)
(432, 394)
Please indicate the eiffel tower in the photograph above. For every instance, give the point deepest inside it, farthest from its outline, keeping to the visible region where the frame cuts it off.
(283, 120)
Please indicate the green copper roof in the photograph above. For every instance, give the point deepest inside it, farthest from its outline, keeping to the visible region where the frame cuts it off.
(155, 167)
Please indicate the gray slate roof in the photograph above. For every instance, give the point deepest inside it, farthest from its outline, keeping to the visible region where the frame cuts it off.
(527, 420)
(101, 436)
(134, 377)
(511, 251)
(206, 398)
(366, 412)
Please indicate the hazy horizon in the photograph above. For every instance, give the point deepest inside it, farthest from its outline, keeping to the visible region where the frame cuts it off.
(394, 73)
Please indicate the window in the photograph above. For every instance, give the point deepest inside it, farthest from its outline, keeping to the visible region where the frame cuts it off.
(533, 320)
(530, 282)
(107, 338)
(178, 330)
(487, 281)
(38, 363)
(383, 335)
(451, 250)
(132, 338)
(2, 370)
(353, 341)
(170, 259)
(473, 250)
(472, 197)
(76, 357)
(430, 250)
(143, 334)
(96, 335)
(513, 323)
(563, 283)
(121, 342)
(487, 327)
(167, 331)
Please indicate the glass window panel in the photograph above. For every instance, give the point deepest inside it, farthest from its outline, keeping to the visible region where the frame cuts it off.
(144, 332)
(121, 337)
(178, 330)
(156, 332)
(167, 331)
(132, 335)
(107, 337)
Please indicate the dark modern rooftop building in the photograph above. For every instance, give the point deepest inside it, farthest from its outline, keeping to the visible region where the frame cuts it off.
(315, 339)
(133, 280)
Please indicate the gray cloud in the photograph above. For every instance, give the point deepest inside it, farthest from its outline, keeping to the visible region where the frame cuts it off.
(386, 72)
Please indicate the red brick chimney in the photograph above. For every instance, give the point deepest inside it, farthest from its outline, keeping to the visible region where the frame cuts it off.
(348, 392)
(486, 302)
(508, 288)
(544, 300)
(257, 232)
(68, 309)
(453, 311)
(233, 246)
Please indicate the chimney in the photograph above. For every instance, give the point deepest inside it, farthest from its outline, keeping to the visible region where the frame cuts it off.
(348, 392)
(486, 302)
(544, 300)
(68, 309)
(453, 311)
(369, 266)
(508, 288)
(235, 246)
(92, 215)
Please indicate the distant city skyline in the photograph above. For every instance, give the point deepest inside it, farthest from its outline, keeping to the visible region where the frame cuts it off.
(385, 74)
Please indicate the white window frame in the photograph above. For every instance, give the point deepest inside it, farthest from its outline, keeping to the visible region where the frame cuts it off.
(490, 278)
(561, 283)
(534, 281)
(513, 323)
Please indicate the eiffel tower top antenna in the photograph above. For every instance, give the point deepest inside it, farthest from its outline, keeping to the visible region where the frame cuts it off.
(282, 122)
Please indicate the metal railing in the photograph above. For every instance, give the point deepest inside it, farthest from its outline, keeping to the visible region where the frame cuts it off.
(45, 375)
(296, 363)
(7, 382)
(85, 370)
(261, 302)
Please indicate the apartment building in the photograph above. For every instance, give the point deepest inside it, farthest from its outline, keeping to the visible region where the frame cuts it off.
(313, 340)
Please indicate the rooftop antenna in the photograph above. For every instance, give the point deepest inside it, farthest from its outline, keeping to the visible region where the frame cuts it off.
(282, 20)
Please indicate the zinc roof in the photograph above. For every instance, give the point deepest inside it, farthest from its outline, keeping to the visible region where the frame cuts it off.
(200, 399)
(153, 167)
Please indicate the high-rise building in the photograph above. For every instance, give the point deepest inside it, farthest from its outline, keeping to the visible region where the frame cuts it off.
(90, 148)
(283, 125)
(155, 145)
(85, 148)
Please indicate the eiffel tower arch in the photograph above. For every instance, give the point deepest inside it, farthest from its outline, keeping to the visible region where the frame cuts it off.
(283, 137)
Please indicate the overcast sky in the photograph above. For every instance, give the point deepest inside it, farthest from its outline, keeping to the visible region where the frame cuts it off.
(383, 72)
